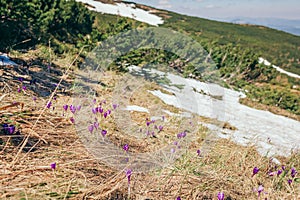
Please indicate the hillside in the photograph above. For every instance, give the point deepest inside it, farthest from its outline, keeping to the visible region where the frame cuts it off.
(100, 106)
(279, 47)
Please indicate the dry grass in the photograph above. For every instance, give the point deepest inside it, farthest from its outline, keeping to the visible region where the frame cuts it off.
(225, 166)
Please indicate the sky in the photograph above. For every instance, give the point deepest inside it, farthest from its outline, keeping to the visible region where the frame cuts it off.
(222, 9)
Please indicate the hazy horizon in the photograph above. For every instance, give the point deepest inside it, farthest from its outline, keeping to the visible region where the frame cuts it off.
(221, 9)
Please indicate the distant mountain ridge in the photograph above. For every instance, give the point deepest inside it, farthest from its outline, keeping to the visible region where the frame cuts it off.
(287, 25)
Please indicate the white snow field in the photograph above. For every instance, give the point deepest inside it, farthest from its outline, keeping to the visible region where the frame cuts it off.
(272, 134)
(125, 10)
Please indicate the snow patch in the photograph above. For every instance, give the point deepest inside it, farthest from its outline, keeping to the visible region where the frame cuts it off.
(267, 63)
(272, 134)
(137, 109)
(125, 10)
(5, 60)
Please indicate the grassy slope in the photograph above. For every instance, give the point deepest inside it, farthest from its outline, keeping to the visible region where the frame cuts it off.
(224, 167)
(280, 48)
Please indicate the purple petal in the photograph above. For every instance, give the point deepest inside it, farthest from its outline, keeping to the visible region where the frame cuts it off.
(128, 174)
(105, 114)
(260, 189)
(255, 170)
(96, 125)
(293, 172)
(91, 128)
(72, 120)
(115, 106)
(104, 132)
(11, 129)
(53, 165)
(279, 172)
(72, 109)
(126, 147)
(65, 107)
(198, 152)
(49, 104)
(160, 128)
(221, 196)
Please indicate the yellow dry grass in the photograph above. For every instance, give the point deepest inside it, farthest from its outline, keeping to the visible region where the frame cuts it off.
(224, 166)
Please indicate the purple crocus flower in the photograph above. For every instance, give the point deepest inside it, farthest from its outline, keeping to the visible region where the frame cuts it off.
(160, 128)
(96, 125)
(24, 87)
(5, 127)
(290, 181)
(181, 135)
(114, 106)
(53, 166)
(148, 133)
(293, 172)
(11, 129)
(104, 132)
(163, 118)
(19, 90)
(198, 152)
(100, 110)
(221, 196)
(279, 172)
(109, 112)
(79, 107)
(128, 175)
(172, 150)
(91, 128)
(255, 171)
(49, 104)
(148, 123)
(126, 147)
(20, 79)
(34, 98)
(260, 189)
(272, 173)
(72, 109)
(72, 120)
(94, 110)
(178, 198)
(94, 101)
(65, 107)
(105, 114)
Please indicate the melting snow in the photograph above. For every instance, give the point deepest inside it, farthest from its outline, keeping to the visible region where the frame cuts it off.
(125, 10)
(5, 60)
(137, 109)
(267, 63)
(273, 134)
